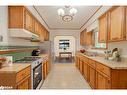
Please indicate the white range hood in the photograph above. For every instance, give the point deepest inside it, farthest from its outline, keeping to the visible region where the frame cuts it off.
(24, 34)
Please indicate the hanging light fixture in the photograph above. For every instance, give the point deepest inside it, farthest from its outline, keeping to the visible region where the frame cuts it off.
(67, 14)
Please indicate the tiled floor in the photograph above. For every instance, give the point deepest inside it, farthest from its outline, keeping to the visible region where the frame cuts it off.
(65, 76)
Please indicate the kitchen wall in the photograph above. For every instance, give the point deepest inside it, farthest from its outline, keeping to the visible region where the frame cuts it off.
(74, 33)
(71, 45)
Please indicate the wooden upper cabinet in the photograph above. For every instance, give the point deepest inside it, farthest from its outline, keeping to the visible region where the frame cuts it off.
(116, 16)
(21, 18)
(29, 21)
(46, 35)
(126, 23)
(83, 37)
(37, 27)
(16, 16)
(103, 21)
(89, 38)
(41, 34)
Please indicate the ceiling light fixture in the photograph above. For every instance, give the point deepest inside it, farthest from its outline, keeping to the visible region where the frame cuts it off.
(67, 13)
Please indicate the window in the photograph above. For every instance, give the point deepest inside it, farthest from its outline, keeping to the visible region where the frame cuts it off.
(64, 44)
(96, 43)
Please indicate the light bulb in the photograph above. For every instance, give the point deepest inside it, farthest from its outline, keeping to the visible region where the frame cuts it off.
(60, 12)
(73, 11)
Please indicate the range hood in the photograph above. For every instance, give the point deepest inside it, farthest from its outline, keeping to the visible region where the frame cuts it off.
(24, 34)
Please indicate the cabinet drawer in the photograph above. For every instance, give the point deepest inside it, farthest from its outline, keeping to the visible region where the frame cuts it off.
(92, 63)
(103, 68)
(22, 74)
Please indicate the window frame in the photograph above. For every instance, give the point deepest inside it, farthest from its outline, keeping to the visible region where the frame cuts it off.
(93, 38)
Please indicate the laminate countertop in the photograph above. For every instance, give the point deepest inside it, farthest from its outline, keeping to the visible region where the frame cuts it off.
(108, 63)
(13, 68)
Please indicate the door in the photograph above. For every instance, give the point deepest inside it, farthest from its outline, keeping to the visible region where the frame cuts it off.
(102, 82)
(92, 75)
(103, 28)
(116, 24)
(29, 21)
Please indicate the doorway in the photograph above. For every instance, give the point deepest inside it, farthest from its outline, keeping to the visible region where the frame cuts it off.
(64, 49)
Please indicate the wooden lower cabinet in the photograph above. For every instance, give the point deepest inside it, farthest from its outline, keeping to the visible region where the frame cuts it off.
(102, 82)
(86, 71)
(45, 68)
(100, 76)
(17, 79)
(24, 84)
(81, 67)
(92, 77)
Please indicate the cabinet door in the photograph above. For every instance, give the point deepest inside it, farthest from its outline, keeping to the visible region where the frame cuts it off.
(24, 85)
(116, 24)
(81, 67)
(103, 28)
(86, 71)
(78, 64)
(36, 29)
(44, 70)
(92, 76)
(102, 82)
(41, 34)
(15, 16)
(29, 21)
(83, 38)
(89, 38)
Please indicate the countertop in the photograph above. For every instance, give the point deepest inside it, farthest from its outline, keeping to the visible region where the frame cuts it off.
(13, 68)
(17, 67)
(109, 63)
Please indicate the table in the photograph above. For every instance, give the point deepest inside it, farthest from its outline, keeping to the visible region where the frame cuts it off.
(69, 54)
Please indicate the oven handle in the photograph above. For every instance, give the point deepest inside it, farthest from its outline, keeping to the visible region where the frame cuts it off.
(36, 73)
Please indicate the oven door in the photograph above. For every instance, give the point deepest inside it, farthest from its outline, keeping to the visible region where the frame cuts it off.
(37, 75)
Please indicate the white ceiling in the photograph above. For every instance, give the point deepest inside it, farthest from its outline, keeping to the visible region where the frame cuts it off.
(53, 21)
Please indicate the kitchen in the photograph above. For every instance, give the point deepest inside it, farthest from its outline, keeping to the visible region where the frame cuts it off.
(94, 47)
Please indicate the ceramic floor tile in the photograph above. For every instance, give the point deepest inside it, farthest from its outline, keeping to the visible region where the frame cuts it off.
(65, 76)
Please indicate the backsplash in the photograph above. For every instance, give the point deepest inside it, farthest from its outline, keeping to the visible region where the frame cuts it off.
(16, 55)
(122, 47)
(16, 47)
